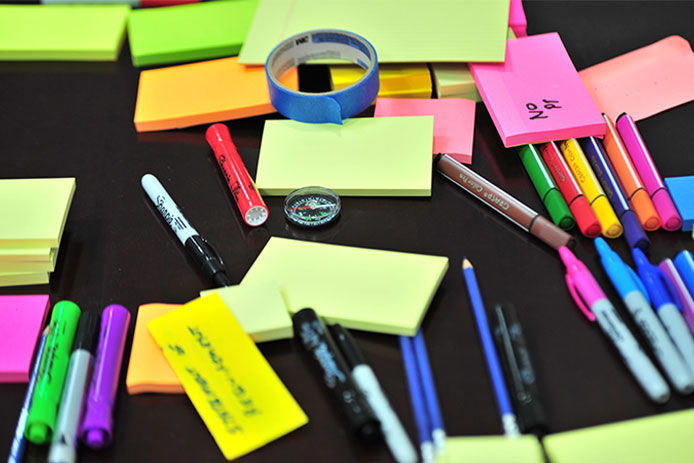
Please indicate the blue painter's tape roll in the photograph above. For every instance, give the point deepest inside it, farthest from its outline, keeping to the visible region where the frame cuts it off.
(329, 106)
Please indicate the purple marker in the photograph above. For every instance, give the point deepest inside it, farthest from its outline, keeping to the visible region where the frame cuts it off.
(686, 300)
(97, 423)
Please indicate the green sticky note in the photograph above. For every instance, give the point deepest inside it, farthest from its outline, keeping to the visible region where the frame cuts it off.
(660, 438)
(259, 309)
(192, 32)
(492, 449)
(402, 31)
(383, 156)
(62, 32)
(364, 289)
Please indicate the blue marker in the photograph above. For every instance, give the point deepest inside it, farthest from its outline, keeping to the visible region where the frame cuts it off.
(438, 434)
(414, 382)
(508, 418)
(664, 300)
(635, 297)
(19, 442)
(685, 267)
(633, 232)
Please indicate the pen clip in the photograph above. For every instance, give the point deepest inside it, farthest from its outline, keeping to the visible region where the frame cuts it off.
(212, 250)
(577, 298)
(637, 281)
(670, 288)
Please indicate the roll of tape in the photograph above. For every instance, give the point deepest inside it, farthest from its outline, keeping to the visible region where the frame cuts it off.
(329, 106)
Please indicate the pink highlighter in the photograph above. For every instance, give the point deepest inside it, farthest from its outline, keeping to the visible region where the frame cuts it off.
(646, 169)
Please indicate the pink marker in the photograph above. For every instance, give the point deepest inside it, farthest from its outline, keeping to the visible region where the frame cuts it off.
(592, 301)
(646, 169)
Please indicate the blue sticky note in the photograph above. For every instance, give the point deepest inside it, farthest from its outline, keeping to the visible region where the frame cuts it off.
(682, 191)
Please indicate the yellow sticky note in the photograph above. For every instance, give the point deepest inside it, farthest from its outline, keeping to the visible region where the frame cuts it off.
(259, 309)
(237, 394)
(396, 80)
(666, 438)
(23, 278)
(492, 449)
(364, 289)
(34, 211)
(382, 156)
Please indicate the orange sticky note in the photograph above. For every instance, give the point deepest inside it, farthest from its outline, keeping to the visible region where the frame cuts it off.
(645, 81)
(149, 371)
(203, 93)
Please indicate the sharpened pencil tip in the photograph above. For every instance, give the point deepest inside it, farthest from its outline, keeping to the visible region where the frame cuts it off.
(466, 264)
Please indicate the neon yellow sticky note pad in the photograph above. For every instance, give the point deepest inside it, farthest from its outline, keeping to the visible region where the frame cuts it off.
(396, 80)
(237, 394)
(492, 449)
(259, 309)
(666, 437)
(34, 211)
(364, 289)
(384, 156)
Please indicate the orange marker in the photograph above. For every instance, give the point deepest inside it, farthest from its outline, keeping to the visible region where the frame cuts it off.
(629, 180)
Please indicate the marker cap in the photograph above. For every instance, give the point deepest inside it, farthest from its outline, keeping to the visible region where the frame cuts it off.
(669, 217)
(633, 232)
(643, 207)
(558, 210)
(585, 217)
(611, 228)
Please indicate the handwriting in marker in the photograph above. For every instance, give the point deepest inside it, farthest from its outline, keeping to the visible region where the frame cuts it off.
(539, 113)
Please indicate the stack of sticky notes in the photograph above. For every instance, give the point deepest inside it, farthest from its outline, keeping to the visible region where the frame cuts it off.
(62, 32)
(21, 321)
(177, 34)
(33, 215)
(396, 80)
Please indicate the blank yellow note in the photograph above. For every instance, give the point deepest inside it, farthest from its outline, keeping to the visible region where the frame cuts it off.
(396, 80)
(237, 394)
(660, 438)
(492, 449)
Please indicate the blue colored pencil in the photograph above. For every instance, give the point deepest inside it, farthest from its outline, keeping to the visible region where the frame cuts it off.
(508, 418)
(438, 433)
(419, 406)
(18, 443)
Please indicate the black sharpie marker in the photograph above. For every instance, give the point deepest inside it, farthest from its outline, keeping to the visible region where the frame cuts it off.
(310, 331)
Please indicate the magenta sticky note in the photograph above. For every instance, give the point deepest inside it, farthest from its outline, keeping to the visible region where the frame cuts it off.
(454, 121)
(516, 18)
(536, 95)
(21, 322)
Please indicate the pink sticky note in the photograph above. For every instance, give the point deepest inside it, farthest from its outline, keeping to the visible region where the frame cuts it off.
(516, 18)
(536, 96)
(454, 121)
(645, 81)
(21, 322)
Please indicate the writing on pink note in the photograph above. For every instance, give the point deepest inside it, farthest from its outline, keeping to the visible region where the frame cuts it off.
(539, 113)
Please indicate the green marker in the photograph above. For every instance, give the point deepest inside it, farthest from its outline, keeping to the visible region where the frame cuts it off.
(546, 188)
(49, 386)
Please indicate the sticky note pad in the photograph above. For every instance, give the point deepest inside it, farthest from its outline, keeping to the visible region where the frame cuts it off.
(21, 322)
(23, 278)
(259, 309)
(516, 18)
(405, 32)
(175, 34)
(43, 254)
(454, 122)
(665, 437)
(682, 192)
(237, 394)
(148, 370)
(491, 449)
(34, 211)
(396, 80)
(364, 289)
(385, 156)
(62, 32)
(645, 81)
(536, 96)
(202, 93)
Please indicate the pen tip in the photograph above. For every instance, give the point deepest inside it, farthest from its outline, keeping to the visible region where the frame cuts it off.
(466, 264)
(47, 329)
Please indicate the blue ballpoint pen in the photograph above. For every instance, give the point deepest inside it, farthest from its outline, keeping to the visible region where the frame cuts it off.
(19, 442)
(635, 297)
(438, 434)
(663, 296)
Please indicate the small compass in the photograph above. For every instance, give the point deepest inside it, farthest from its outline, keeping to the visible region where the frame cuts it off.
(312, 206)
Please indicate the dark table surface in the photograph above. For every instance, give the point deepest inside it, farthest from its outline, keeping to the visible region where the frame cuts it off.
(75, 119)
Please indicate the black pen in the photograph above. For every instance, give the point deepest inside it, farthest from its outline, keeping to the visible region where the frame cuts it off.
(518, 370)
(198, 247)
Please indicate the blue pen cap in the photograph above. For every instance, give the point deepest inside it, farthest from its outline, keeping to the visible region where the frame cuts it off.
(685, 267)
(633, 232)
(659, 287)
(621, 275)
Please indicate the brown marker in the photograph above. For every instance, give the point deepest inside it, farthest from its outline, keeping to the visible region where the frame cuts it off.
(502, 202)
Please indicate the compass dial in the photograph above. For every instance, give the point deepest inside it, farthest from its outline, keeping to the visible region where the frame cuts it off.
(312, 206)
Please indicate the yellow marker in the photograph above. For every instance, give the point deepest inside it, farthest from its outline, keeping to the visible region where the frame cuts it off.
(611, 228)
